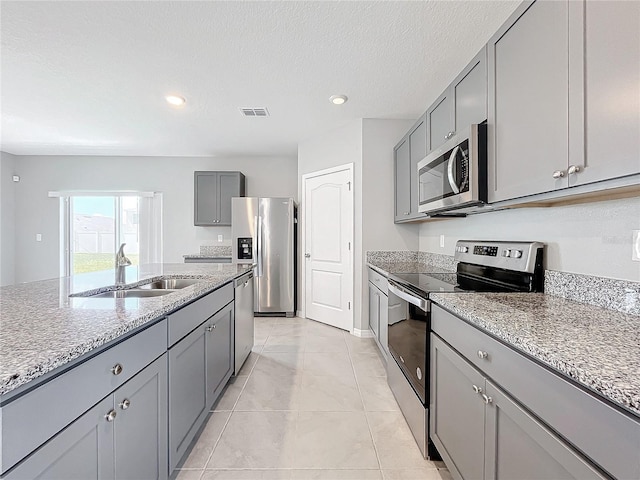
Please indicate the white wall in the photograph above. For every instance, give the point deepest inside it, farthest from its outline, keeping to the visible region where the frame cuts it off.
(173, 176)
(7, 219)
(589, 238)
(368, 144)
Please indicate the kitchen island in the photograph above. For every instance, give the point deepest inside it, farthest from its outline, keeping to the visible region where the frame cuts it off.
(64, 351)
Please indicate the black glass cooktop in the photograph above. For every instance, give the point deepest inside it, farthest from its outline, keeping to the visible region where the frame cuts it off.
(425, 283)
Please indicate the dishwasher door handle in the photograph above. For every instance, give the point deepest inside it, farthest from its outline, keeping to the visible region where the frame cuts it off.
(413, 300)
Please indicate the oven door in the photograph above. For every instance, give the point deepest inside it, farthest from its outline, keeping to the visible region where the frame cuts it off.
(454, 175)
(407, 336)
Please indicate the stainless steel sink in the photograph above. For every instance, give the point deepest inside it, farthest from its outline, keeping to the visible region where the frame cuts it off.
(133, 293)
(170, 283)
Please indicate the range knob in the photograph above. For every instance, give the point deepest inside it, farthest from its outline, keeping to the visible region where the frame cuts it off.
(506, 252)
(516, 253)
(462, 249)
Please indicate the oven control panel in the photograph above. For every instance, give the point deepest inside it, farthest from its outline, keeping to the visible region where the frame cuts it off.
(519, 256)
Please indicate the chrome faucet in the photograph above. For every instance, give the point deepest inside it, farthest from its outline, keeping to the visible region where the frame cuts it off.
(121, 262)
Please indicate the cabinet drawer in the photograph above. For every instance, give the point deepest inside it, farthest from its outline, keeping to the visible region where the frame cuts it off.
(603, 433)
(187, 318)
(35, 417)
(379, 280)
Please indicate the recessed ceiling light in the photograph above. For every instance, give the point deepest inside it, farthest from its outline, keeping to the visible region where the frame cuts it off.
(175, 100)
(338, 99)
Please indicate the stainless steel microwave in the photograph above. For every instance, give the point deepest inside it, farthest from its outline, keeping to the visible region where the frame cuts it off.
(454, 176)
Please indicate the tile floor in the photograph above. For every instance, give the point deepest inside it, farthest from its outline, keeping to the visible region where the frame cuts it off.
(311, 402)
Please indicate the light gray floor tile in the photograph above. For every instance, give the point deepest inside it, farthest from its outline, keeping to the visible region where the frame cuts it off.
(247, 475)
(361, 345)
(368, 365)
(251, 360)
(320, 344)
(319, 329)
(290, 321)
(256, 440)
(284, 343)
(412, 474)
(334, 440)
(293, 329)
(329, 394)
(334, 363)
(279, 363)
(376, 394)
(314, 474)
(210, 434)
(394, 442)
(269, 392)
(188, 475)
(231, 393)
(444, 474)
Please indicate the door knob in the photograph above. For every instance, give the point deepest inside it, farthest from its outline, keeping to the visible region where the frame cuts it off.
(307, 255)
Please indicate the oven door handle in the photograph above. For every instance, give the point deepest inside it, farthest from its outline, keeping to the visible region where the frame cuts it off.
(413, 300)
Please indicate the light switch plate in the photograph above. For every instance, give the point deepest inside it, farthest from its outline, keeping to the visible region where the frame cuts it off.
(635, 254)
(219, 238)
(38, 237)
(441, 241)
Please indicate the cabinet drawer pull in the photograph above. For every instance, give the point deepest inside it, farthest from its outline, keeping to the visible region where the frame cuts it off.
(126, 403)
(111, 416)
(482, 355)
(558, 174)
(117, 369)
(487, 400)
(477, 389)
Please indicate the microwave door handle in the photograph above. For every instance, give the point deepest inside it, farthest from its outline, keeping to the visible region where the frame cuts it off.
(418, 302)
(450, 172)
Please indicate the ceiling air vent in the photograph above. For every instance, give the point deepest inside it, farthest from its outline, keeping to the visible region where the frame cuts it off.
(255, 112)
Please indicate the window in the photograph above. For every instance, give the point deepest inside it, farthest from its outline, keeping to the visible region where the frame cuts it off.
(95, 224)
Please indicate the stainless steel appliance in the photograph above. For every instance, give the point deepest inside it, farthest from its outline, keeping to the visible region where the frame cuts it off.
(454, 176)
(244, 324)
(483, 267)
(263, 232)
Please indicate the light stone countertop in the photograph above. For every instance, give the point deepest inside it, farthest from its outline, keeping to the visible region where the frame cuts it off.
(43, 328)
(597, 347)
(388, 267)
(203, 255)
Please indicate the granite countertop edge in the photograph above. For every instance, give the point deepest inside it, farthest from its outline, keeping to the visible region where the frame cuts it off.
(561, 362)
(199, 255)
(31, 372)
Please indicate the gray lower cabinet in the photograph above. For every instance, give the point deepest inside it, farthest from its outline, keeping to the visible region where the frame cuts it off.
(483, 434)
(124, 436)
(379, 310)
(199, 366)
(213, 192)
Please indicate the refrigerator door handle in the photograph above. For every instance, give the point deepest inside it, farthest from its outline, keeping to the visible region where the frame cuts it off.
(259, 246)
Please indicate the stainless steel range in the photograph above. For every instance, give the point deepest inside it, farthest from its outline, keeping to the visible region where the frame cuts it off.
(484, 266)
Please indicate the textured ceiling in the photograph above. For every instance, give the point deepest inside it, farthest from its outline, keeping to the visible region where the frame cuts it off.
(90, 77)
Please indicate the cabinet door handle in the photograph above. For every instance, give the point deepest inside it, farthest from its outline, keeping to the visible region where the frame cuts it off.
(211, 328)
(406, 213)
(573, 169)
(477, 389)
(558, 174)
(124, 404)
(487, 400)
(482, 355)
(117, 369)
(111, 416)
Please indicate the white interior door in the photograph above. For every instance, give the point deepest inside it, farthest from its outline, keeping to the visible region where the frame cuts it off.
(328, 246)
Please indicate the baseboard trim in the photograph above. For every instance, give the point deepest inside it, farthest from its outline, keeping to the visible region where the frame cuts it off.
(300, 313)
(362, 333)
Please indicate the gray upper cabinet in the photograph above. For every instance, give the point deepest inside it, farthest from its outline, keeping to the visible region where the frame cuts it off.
(402, 163)
(213, 192)
(440, 120)
(463, 102)
(411, 149)
(563, 98)
(527, 101)
(469, 93)
(611, 91)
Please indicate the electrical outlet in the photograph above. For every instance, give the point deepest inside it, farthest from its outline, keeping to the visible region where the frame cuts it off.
(635, 254)
(219, 238)
(38, 237)
(441, 241)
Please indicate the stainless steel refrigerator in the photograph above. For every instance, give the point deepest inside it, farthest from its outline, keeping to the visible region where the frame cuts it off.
(263, 232)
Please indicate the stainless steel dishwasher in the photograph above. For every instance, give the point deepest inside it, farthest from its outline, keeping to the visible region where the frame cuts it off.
(243, 318)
